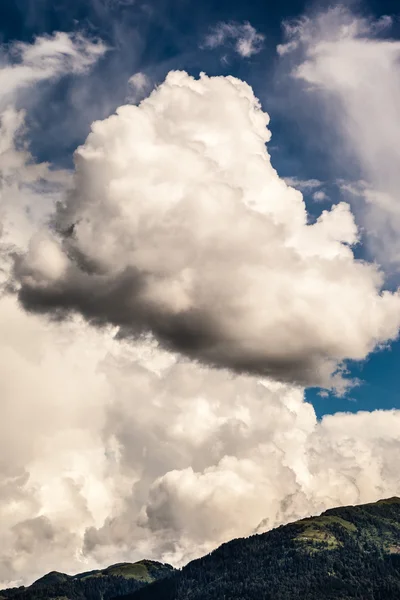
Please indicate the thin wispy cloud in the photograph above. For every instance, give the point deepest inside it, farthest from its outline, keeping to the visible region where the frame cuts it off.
(46, 58)
(304, 185)
(138, 87)
(351, 65)
(243, 37)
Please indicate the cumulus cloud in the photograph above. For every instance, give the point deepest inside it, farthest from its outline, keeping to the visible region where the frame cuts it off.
(245, 38)
(351, 63)
(178, 224)
(117, 449)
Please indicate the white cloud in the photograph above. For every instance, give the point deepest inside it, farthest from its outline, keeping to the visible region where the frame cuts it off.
(308, 186)
(304, 185)
(139, 86)
(117, 451)
(320, 196)
(181, 226)
(49, 56)
(28, 191)
(245, 38)
(139, 81)
(354, 69)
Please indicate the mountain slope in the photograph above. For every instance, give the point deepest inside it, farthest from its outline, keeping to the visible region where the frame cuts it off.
(115, 580)
(346, 553)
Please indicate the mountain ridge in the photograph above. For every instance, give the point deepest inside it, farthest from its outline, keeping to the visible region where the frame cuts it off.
(348, 552)
(98, 584)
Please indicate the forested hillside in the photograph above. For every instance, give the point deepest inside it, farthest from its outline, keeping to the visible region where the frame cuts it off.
(116, 580)
(346, 553)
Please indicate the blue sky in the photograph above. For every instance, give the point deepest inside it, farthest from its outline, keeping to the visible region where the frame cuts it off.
(155, 37)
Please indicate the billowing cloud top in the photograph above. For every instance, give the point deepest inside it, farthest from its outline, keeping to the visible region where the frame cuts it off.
(178, 224)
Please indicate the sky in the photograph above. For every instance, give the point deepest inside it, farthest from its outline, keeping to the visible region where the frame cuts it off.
(199, 273)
